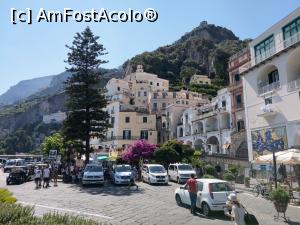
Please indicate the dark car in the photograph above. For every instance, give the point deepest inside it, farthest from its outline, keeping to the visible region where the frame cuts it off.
(16, 176)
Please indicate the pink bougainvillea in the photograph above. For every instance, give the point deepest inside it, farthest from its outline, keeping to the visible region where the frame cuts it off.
(140, 149)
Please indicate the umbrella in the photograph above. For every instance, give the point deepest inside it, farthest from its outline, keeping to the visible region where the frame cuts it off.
(102, 157)
(287, 157)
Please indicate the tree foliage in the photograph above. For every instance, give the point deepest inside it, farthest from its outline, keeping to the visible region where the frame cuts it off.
(85, 103)
(173, 151)
(138, 151)
(53, 142)
(18, 141)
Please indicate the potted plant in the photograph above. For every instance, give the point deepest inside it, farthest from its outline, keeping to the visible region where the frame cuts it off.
(280, 198)
(296, 193)
(247, 182)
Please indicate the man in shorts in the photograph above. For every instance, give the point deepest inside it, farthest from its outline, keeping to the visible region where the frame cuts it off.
(37, 176)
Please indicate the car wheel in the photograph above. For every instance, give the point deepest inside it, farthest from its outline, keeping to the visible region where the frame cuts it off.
(205, 209)
(178, 200)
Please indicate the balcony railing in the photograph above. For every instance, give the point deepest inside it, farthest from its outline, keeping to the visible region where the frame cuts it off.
(293, 85)
(268, 88)
(122, 138)
(278, 47)
(267, 110)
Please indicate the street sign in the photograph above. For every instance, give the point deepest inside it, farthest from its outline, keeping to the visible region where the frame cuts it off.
(52, 154)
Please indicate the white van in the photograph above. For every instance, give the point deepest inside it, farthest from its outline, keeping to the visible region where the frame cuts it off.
(122, 174)
(180, 172)
(93, 174)
(154, 173)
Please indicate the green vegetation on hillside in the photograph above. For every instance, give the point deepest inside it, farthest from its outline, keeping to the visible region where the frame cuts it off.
(205, 50)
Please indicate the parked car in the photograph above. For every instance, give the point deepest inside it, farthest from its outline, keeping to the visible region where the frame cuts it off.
(16, 176)
(93, 174)
(12, 163)
(154, 173)
(180, 172)
(2, 163)
(212, 195)
(122, 174)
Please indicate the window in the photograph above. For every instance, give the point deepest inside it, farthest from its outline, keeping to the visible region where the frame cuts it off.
(139, 94)
(291, 29)
(223, 104)
(145, 119)
(268, 101)
(163, 124)
(237, 78)
(144, 134)
(119, 88)
(174, 94)
(164, 94)
(111, 134)
(171, 167)
(127, 119)
(151, 83)
(126, 134)
(157, 84)
(112, 121)
(273, 76)
(187, 96)
(240, 125)
(238, 100)
(200, 186)
(155, 95)
(154, 105)
(145, 93)
(265, 47)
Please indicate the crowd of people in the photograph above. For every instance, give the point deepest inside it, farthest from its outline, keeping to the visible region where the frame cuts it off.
(44, 174)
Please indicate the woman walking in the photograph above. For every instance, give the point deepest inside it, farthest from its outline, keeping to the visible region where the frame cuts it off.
(235, 210)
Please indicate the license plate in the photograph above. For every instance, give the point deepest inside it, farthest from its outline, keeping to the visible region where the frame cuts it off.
(160, 180)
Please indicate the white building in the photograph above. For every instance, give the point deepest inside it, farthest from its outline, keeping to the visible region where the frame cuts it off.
(272, 88)
(57, 117)
(208, 127)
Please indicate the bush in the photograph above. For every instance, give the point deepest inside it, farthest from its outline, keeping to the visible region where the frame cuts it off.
(228, 176)
(207, 176)
(15, 214)
(209, 169)
(6, 196)
(279, 195)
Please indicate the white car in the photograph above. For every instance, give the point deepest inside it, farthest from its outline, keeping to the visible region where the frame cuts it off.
(211, 196)
(180, 172)
(154, 173)
(93, 174)
(122, 174)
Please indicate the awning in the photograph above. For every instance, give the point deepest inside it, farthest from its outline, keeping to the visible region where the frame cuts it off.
(287, 157)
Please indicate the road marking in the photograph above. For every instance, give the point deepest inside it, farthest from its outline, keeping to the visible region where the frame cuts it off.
(67, 210)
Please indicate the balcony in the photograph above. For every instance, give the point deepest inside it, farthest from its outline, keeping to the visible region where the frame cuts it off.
(121, 138)
(267, 110)
(268, 88)
(288, 42)
(293, 85)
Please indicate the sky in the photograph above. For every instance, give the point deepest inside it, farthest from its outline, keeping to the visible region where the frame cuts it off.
(29, 51)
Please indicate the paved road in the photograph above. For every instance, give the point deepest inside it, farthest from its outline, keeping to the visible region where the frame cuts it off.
(148, 205)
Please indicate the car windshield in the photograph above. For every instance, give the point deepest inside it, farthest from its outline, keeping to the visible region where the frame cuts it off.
(185, 167)
(123, 169)
(157, 169)
(10, 162)
(93, 169)
(220, 187)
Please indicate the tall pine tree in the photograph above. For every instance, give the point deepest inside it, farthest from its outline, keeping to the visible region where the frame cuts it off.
(86, 101)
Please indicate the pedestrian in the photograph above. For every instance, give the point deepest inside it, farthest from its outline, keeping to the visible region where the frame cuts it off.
(192, 189)
(37, 176)
(55, 175)
(46, 177)
(134, 174)
(237, 210)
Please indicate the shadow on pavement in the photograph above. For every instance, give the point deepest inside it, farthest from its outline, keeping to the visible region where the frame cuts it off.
(290, 222)
(108, 189)
(212, 216)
